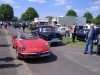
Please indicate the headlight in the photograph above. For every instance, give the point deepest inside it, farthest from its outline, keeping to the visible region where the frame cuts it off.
(22, 48)
(48, 45)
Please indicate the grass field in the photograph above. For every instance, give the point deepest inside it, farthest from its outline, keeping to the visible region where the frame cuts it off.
(77, 42)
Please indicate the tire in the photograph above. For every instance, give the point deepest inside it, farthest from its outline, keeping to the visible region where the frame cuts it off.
(13, 47)
(17, 55)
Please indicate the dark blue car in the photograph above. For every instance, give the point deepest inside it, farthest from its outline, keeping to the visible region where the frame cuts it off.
(81, 34)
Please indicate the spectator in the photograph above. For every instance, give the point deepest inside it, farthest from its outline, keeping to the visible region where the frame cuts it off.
(67, 33)
(98, 44)
(23, 26)
(90, 37)
(5, 25)
(74, 29)
(70, 32)
(98, 39)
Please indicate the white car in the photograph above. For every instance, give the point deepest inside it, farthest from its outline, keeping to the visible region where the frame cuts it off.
(61, 30)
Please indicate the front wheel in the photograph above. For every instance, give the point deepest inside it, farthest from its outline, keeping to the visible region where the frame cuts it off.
(13, 47)
(17, 55)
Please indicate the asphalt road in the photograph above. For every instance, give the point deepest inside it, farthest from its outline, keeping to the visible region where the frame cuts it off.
(64, 60)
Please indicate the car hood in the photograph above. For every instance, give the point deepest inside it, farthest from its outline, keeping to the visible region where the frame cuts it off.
(34, 43)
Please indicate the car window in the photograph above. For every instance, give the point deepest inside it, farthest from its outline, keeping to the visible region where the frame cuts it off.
(63, 29)
(80, 31)
(28, 35)
(46, 29)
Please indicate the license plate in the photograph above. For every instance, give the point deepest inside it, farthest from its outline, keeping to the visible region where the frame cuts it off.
(43, 55)
(55, 39)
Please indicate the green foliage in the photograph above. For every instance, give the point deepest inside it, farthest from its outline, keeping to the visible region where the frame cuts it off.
(49, 17)
(15, 18)
(6, 12)
(93, 21)
(30, 14)
(98, 19)
(88, 16)
(71, 13)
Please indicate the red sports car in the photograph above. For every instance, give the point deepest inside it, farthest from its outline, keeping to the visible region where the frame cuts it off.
(29, 45)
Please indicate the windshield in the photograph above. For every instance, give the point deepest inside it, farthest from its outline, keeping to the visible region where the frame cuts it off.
(27, 35)
(47, 29)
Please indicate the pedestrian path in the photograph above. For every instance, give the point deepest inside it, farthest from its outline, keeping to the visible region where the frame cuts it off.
(7, 65)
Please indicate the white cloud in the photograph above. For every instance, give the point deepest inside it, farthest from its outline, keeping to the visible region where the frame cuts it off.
(42, 14)
(17, 6)
(39, 1)
(97, 2)
(79, 10)
(94, 8)
(7, 1)
(51, 13)
(68, 7)
(62, 2)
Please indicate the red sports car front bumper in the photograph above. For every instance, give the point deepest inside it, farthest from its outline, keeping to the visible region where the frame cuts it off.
(35, 55)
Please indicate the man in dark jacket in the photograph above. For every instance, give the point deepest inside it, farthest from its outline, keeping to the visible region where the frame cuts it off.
(90, 38)
(98, 39)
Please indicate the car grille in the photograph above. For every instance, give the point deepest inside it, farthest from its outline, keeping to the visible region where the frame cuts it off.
(54, 36)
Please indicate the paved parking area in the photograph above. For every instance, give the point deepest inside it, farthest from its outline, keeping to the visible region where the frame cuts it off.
(64, 60)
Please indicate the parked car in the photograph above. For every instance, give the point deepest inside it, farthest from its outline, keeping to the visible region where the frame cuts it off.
(61, 30)
(29, 45)
(49, 34)
(81, 34)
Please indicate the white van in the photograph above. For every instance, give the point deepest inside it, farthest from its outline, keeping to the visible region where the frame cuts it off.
(87, 26)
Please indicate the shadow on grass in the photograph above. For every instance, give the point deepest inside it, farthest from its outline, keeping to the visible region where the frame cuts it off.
(48, 59)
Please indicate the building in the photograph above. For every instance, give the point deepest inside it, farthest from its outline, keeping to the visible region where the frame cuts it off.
(70, 20)
(41, 20)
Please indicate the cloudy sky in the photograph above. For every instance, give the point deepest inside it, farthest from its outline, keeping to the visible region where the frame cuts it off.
(54, 7)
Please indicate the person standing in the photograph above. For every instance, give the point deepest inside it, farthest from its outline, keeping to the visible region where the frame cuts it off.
(33, 26)
(90, 38)
(98, 40)
(98, 44)
(70, 32)
(5, 25)
(74, 29)
(23, 26)
(67, 33)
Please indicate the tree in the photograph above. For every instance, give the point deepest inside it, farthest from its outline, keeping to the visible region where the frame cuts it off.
(6, 12)
(71, 13)
(30, 14)
(49, 17)
(15, 18)
(88, 16)
(93, 21)
(97, 19)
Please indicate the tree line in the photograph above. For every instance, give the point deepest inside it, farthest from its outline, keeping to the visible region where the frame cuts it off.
(7, 14)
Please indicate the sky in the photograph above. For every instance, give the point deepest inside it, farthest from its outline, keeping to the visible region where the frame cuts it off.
(54, 8)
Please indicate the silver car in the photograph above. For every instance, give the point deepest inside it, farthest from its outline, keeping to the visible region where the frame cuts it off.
(61, 30)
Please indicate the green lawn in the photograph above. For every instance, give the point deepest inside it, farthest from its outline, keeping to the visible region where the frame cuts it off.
(77, 42)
